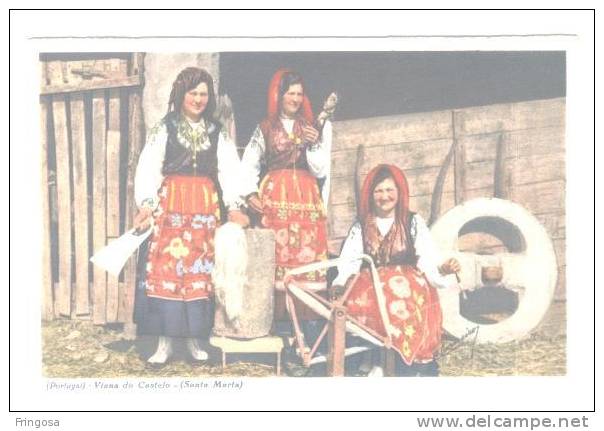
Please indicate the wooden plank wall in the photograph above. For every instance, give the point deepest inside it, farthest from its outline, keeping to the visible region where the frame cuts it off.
(91, 134)
(529, 135)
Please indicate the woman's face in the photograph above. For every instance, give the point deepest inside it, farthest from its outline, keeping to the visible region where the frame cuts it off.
(195, 102)
(292, 100)
(385, 197)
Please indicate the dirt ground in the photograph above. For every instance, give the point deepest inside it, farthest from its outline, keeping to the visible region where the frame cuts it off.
(73, 349)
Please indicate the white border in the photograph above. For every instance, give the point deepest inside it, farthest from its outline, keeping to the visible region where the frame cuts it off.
(572, 392)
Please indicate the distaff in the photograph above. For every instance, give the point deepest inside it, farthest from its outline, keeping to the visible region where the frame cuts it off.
(291, 150)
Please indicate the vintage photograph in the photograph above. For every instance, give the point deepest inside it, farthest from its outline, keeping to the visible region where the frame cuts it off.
(303, 214)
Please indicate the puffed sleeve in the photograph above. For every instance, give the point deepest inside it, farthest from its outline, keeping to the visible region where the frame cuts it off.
(318, 155)
(229, 167)
(353, 246)
(429, 256)
(251, 163)
(148, 176)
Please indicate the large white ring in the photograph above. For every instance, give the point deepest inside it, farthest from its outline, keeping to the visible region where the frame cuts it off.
(533, 270)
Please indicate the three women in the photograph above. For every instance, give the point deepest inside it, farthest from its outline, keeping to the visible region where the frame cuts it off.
(189, 175)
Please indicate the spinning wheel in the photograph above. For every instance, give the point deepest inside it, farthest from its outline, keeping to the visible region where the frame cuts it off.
(335, 314)
(527, 267)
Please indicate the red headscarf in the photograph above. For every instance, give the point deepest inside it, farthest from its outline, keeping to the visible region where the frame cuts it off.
(395, 241)
(274, 97)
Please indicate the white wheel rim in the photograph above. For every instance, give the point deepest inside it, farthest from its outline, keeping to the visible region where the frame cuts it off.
(535, 268)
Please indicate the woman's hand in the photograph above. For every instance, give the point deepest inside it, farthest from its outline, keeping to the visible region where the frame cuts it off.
(451, 266)
(238, 217)
(253, 202)
(142, 220)
(310, 135)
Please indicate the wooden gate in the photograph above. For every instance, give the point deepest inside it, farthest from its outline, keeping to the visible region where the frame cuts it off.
(92, 134)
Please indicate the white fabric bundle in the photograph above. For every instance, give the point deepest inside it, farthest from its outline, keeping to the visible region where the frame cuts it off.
(230, 266)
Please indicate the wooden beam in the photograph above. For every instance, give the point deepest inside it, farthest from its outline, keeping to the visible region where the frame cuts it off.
(80, 203)
(459, 165)
(47, 285)
(99, 206)
(336, 337)
(113, 195)
(63, 296)
(135, 144)
(100, 84)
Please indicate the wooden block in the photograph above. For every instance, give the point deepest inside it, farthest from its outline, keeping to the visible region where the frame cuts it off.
(394, 129)
(99, 210)
(47, 285)
(63, 295)
(80, 203)
(113, 195)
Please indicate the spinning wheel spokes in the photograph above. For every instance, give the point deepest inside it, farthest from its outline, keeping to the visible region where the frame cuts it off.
(325, 309)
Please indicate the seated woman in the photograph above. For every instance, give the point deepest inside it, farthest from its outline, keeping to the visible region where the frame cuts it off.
(407, 260)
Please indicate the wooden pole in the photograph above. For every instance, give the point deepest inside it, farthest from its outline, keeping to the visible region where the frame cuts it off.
(63, 297)
(459, 166)
(47, 285)
(113, 195)
(336, 336)
(99, 202)
(80, 203)
(135, 139)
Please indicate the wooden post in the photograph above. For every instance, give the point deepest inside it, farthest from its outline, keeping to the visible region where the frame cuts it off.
(459, 166)
(113, 195)
(389, 361)
(63, 297)
(47, 285)
(99, 207)
(135, 141)
(337, 341)
(80, 203)
(502, 181)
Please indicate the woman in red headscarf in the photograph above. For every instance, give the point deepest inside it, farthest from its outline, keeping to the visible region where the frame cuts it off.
(293, 152)
(409, 267)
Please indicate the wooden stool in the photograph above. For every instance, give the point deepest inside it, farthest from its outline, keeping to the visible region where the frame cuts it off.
(255, 345)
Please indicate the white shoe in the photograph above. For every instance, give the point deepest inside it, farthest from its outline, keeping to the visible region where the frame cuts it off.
(376, 371)
(197, 352)
(163, 352)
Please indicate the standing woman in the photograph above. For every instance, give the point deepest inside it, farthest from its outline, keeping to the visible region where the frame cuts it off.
(292, 152)
(185, 180)
(409, 266)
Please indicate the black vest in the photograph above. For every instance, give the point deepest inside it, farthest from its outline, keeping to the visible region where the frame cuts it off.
(409, 255)
(179, 159)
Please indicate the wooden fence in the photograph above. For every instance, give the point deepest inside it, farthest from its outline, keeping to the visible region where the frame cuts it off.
(92, 134)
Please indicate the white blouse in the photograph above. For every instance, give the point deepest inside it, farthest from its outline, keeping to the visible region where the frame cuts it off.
(149, 177)
(429, 256)
(318, 157)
